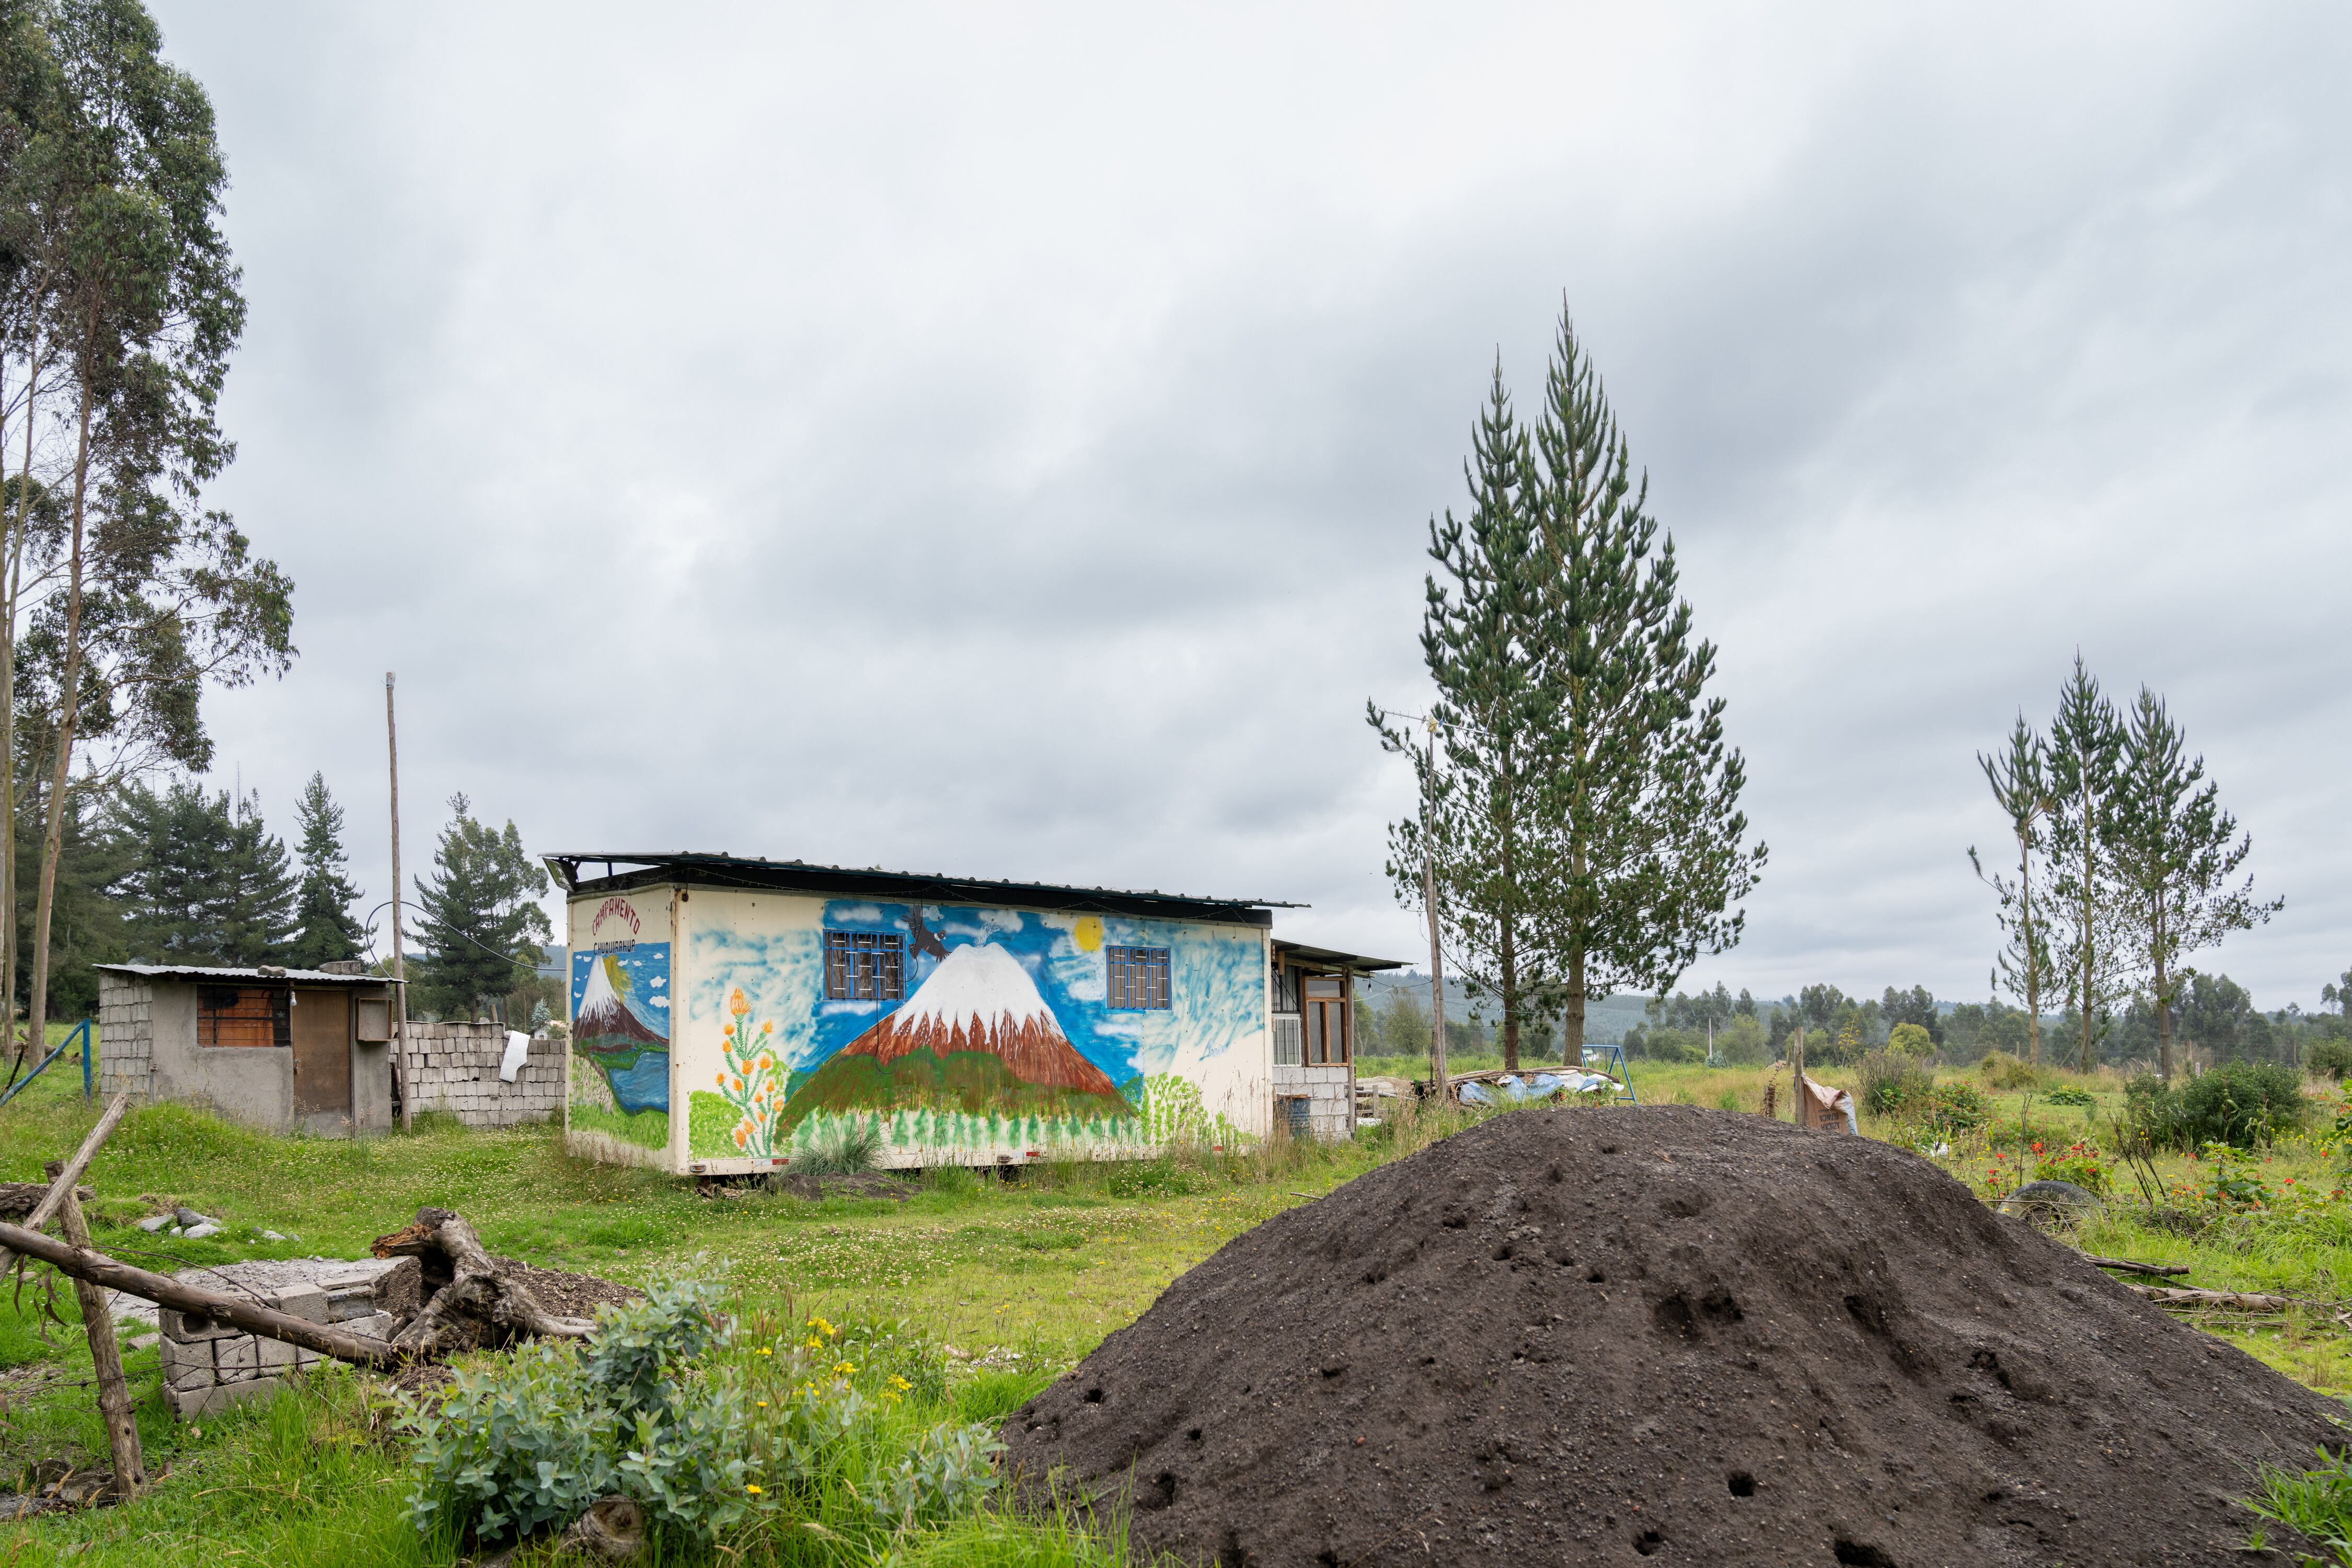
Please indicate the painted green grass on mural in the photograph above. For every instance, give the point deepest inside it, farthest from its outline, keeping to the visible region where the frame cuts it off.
(949, 1131)
(710, 1123)
(646, 1129)
(972, 1082)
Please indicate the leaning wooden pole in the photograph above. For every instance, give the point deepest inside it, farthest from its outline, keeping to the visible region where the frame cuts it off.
(1428, 901)
(84, 1263)
(62, 1188)
(105, 1357)
(399, 975)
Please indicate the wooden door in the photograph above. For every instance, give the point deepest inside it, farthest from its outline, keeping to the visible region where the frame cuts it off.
(323, 1052)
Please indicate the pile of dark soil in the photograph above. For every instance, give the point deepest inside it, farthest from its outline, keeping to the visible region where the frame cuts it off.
(571, 1295)
(1698, 1337)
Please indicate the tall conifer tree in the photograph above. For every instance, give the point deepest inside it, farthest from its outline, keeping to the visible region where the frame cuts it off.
(2178, 855)
(1481, 640)
(1646, 843)
(2090, 953)
(482, 920)
(324, 908)
(2021, 783)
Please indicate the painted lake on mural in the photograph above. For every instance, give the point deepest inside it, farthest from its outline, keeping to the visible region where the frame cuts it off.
(620, 1012)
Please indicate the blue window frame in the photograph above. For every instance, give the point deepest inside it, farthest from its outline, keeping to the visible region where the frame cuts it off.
(865, 966)
(1139, 978)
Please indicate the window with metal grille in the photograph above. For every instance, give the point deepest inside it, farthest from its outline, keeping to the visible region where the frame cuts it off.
(865, 966)
(1287, 1042)
(1139, 976)
(244, 1016)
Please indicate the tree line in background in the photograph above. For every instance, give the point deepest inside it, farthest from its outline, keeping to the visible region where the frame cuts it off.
(2215, 1022)
(1581, 831)
(184, 875)
(2125, 866)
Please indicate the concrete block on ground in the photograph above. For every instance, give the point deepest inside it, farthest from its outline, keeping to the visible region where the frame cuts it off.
(178, 1325)
(306, 1302)
(198, 1403)
(238, 1358)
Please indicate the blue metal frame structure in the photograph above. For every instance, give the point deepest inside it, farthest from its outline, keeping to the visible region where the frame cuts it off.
(80, 1032)
(1610, 1059)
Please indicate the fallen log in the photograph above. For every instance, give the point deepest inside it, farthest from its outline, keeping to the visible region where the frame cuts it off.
(86, 1264)
(2225, 1301)
(483, 1293)
(2125, 1265)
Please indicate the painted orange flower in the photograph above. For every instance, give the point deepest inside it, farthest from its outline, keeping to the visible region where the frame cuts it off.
(766, 1062)
(737, 1003)
(740, 1134)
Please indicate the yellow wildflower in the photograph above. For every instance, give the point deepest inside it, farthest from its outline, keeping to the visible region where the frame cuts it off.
(750, 1488)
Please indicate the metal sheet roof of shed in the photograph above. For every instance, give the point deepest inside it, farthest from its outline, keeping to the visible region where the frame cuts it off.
(1334, 957)
(205, 972)
(737, 871)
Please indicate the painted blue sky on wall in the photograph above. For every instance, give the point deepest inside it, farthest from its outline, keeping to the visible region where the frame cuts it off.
(1216, 979)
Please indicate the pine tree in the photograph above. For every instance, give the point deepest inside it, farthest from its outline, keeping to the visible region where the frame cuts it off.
(1645, 839)
(1481, 643)
(2177, 854)
(210, 885)
(2020, 785)
(324, 908)
(480, 914)
(2088, 948)
(261, 890)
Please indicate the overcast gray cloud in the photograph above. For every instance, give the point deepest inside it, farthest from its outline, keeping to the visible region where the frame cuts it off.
(1000, 440)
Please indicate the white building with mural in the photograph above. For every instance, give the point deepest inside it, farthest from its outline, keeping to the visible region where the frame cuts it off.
(726, 1011)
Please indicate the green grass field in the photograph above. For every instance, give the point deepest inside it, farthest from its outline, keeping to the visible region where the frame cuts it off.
(1019, 1278)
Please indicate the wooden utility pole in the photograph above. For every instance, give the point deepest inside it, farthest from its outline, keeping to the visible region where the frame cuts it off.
(399, 974)
(1797, 1060)
(1428, 901)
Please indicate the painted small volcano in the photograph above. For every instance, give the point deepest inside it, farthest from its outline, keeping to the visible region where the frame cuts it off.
(975, 1037)
(634, 1059)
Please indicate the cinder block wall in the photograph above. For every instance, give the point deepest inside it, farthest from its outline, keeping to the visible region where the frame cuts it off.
(455, 1067)
(126, 1037)
(1331, 1109)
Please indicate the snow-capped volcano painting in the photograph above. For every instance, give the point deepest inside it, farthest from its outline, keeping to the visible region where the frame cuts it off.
(975, 1034)
(620, 1022)
(960, 1032)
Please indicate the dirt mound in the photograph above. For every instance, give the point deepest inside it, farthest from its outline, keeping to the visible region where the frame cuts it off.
(1698, 1337)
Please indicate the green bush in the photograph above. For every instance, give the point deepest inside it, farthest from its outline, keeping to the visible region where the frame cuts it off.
(1892, 1081)
(2005, 1071)
(2331, 1057)
(1953, 1107)
(1911, 1040)
(850, 1150)
(2067, 1094)
(2238, 1103)
(708, 1429)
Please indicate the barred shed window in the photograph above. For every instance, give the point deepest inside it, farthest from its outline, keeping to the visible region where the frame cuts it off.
(1139, 978)
(865, 966)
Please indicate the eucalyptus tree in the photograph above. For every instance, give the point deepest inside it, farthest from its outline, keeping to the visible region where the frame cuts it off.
(139, 313)
(2178, 855)
(1648, 845)
(2020, 786)
(1481, 850)
(2089, 948)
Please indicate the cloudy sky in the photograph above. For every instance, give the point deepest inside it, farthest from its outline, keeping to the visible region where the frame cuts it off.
(1002, 440)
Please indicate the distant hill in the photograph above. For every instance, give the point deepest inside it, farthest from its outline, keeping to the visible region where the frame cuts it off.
(1605, 1022)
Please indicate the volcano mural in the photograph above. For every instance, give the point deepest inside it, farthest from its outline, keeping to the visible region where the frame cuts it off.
(956, 1033)
(974, 1036)
(611, 1034)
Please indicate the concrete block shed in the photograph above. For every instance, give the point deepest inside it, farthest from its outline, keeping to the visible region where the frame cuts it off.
(282, 1049)
(727, 1012)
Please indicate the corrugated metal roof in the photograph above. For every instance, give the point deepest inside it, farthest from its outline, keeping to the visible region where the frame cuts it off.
(692, 865)
(201, 973)
(1334, 957)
